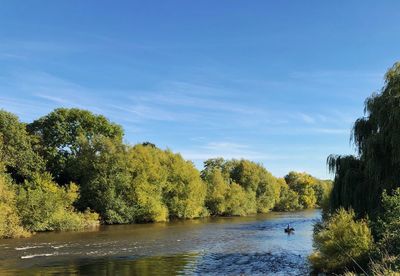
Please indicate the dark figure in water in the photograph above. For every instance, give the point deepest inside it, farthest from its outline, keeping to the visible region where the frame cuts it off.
(289, 229)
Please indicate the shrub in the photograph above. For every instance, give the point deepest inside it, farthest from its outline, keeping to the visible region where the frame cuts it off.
(239, 202)
(341, 243)
(10, 222)
(185, 192)
(45, 206)
(387, 231)
(289, 200)
(216, 192)
(304, 185)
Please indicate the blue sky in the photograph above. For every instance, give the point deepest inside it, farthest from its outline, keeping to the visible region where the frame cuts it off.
(277, 82)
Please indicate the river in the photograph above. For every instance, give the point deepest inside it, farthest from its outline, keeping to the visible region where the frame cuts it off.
(253, 245)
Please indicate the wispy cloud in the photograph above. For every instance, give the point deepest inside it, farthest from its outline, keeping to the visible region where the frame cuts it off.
(307, 118)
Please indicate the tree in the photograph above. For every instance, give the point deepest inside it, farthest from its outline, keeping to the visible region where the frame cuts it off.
(252, 177)
(61, 134)
(105, 180)
(359, 179)
(217, 189)
(303, 184)
(16, 148)
(215, 163)
(185, 191)
(10, 222)
(322, 190)
(288, 201)
(239, 202)
(148, 183)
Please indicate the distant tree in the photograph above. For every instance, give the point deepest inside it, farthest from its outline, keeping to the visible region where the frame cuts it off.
(10, 222)
(322, 190)
(239, 202)
(16, 148)
(288, 201)
(212, 164)
(303, 184)
(185, 191)
(61, 134)
(148, 183)
(44, 206)
(217, 189)
(105, 180)
(252, 177)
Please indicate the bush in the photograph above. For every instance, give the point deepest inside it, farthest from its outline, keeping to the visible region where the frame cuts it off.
(239, 202)
(217, 190)
(185, 191)
(45, 206)
(386, 266)
(341, 243)
(289, 200)
(304, 185)
(147, 185)
(387, 231)
(10, 222)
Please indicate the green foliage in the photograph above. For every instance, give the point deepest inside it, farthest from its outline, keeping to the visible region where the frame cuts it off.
(239, 202)
(139, 184)
(303, 184)
(387, 231)
(44, 206)
(61, 134)
(10, 222)
(341, 243)
(289, 200)
(358, 180)
(387, 265)
(185, 192)
(106, 180)
(148, 184)
(322, 189)
(348, 189)
(16, 148)
(120, 183)
(260, 188)
(217, 190)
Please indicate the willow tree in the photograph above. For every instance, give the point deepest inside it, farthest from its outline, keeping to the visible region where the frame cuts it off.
(360, 180)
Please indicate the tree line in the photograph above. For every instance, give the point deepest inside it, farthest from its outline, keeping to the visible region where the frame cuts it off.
(71, 169)
(360, 230)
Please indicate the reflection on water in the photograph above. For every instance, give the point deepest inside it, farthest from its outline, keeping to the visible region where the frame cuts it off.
(239, 245)
(157, 265)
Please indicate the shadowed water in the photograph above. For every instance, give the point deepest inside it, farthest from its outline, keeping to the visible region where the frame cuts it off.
(214, 246)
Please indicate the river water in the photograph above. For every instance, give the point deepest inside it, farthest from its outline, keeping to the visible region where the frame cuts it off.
(253, 245)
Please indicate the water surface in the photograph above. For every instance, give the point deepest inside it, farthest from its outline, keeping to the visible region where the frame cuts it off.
(215, 246)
